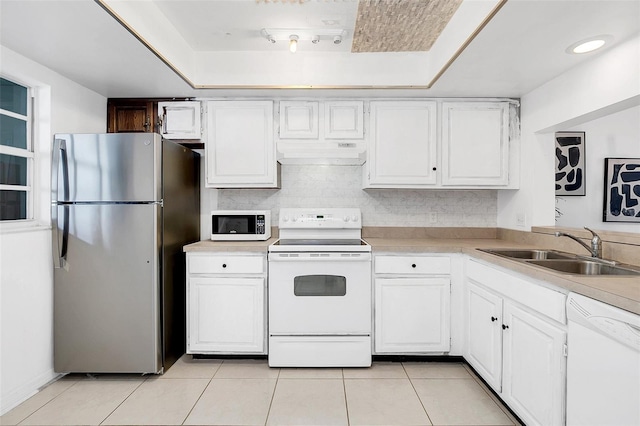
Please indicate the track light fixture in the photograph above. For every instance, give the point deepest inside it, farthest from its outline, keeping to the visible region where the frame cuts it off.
(295, 36)
(293, 43)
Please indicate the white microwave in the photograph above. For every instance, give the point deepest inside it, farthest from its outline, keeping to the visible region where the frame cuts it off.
(240, 225)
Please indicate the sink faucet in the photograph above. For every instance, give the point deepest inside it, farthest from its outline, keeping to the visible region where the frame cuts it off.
(596, 242)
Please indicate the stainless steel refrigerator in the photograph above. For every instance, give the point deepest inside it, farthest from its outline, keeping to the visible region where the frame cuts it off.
(123, 206)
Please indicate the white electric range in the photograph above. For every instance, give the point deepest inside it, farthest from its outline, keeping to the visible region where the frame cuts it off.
(320, 290)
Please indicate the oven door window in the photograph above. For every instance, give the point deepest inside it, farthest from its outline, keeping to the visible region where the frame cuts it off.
(320, 285)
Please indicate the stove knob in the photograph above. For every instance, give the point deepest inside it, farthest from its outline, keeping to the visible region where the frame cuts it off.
(346, 218)
(294, 219)
(285, 218)
(354, 218)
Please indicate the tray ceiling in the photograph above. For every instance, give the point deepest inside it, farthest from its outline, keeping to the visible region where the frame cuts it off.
(186, 48)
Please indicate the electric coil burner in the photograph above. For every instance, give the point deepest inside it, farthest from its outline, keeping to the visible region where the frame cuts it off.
(320, 290)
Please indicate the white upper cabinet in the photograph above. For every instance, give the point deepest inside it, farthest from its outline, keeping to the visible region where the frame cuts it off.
(344, 120)
(240, 149)
(298, 120)
(475, 143)
(338, 119)
(402, 145)
(320, 132)
(180, 119)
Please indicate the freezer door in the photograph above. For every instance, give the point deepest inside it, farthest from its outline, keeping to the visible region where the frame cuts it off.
(107, 292)
(106, 167)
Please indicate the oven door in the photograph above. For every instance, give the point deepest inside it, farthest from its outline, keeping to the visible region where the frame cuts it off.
(319, 294)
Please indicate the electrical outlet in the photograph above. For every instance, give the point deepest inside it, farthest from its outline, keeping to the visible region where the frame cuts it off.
(521, 219)
(433, 217)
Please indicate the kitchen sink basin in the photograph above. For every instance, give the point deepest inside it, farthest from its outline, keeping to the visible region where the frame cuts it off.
(527, 254)
(583, 267)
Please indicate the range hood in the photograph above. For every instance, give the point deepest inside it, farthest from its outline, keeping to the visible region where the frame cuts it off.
(327, 153)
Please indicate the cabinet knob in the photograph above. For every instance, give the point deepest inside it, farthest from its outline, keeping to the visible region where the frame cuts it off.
(494, 319)
(413, 265)
(504, 327)
(224, 265)
(434, 169)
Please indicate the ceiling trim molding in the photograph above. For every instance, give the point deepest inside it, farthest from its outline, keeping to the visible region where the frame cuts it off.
(187, 80)
(142, 40)
(307, 87)
(466, 43)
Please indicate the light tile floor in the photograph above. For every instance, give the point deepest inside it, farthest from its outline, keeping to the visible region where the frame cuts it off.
(248, 392)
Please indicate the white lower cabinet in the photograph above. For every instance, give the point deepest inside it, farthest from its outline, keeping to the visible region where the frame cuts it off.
(534, 367)
(516, 349)
(226, 310)
(484, 334)
(412, 304)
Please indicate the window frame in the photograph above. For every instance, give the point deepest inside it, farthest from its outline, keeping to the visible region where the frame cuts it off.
(28, 153)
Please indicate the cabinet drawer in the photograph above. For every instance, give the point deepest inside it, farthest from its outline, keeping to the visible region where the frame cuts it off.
(412, 265)
(225, 264)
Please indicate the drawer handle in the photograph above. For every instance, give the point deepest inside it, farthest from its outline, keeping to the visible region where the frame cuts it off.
(504, 327)
(413, 265)
(224, 265)
(494, 319)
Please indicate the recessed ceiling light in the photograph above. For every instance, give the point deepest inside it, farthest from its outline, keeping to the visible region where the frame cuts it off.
(589, 45)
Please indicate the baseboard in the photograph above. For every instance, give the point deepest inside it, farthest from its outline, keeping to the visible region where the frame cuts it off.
(15, 397)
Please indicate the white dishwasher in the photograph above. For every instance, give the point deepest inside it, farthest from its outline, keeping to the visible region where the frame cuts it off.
(603, 365)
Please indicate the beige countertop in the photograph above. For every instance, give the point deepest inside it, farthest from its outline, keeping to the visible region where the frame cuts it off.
(620, 291)
(246, 246)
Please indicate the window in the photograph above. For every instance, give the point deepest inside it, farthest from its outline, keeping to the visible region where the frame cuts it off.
(16, 152)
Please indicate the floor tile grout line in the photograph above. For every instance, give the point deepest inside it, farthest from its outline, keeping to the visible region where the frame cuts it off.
(197, 399)
(346, 403)
(46, 403)
(417, 395)
(496, 400)
(144, 379)
(273, 394)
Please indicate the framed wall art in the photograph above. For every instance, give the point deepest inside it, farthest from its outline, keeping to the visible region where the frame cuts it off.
(621, 190)
(570, 162)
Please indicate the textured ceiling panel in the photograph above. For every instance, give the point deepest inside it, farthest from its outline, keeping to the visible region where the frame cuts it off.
(400, 25)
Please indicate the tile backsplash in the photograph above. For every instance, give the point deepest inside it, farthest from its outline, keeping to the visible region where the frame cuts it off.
(341, 186)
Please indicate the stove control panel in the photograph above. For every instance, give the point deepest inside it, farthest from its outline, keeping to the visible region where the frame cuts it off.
(335, 218)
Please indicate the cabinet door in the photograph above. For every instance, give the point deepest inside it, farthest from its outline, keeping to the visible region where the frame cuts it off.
(130, 115)
(344, 120)
(226, 315)
(484, 334)
(412, 315)
(180, 120)
(402, 145)
(475, 143)
(240, 149)
(534, 367)
(298, 120)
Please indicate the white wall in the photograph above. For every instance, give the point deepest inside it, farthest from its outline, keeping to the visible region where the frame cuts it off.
(615, 135)
(26, 283)
(605, 85)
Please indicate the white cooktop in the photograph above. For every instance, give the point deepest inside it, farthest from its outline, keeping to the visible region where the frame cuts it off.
(320, 229)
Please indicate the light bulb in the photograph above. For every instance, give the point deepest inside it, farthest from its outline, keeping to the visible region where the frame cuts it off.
(588, 46)
(293, 43)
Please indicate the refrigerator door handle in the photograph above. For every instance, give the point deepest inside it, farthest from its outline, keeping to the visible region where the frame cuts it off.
(60, 158)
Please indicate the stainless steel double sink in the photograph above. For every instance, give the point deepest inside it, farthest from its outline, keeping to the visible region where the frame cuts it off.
(565, 262)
